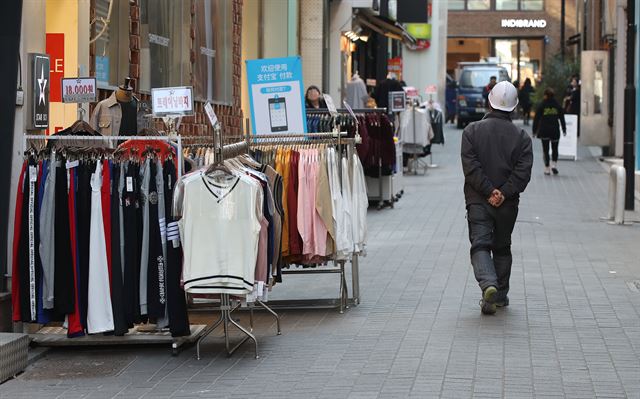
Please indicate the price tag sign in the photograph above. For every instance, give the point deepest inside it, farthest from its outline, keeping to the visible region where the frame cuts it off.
(79, 90)
(348, 107)
(213, 119)
(172, 101)
(431, 89)
(330, 105)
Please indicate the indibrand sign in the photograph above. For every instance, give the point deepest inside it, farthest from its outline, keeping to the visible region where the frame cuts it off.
(524, 23)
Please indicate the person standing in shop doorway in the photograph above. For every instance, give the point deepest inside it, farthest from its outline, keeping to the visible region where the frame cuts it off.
(487, 90)
(313, 98)
(547, 129)
(496, 161)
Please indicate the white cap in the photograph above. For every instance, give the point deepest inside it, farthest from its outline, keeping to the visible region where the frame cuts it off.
(504, 97)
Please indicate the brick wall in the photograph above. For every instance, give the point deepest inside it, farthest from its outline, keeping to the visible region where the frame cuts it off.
(230, 116)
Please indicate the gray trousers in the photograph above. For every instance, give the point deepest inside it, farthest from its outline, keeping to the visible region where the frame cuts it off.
(490, 236)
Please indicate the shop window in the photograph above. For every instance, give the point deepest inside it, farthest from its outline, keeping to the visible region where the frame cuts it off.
(532, 5)
(456, 4)
(503, 5)
(164, 44)
(213, 75)
(478, 4)
(112, 46)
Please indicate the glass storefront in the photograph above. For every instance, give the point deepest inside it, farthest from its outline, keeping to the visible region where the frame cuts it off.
(522, 58)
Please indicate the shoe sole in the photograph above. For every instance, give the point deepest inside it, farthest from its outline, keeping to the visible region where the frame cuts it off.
(489, 293)
(487, 306)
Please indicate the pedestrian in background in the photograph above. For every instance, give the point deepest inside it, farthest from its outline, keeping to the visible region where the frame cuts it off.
(487, 90)
(524, 96)
(496, 161)
(313, 98)
(547, 129)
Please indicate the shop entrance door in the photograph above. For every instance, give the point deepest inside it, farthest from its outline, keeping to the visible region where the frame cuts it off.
(522, 58)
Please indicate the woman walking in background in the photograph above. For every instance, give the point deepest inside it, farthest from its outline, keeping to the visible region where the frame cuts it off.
(524, 97)
(546, 128)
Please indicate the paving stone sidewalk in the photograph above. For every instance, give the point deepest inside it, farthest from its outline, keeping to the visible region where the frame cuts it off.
(572, 329)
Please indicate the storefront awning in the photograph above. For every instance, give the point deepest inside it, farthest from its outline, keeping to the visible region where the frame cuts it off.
(386, 27)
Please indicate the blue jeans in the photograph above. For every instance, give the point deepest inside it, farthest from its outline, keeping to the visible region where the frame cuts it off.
(490, 236)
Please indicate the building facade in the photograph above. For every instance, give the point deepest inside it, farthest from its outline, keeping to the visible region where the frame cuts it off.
(518, 34)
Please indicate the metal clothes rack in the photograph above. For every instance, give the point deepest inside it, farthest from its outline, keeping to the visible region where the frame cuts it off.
(226, 305)
(415, 163)
(340, 139)
(177, 140)
(56, 336)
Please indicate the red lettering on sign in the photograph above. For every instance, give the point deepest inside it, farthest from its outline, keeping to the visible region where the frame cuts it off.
(55, 49)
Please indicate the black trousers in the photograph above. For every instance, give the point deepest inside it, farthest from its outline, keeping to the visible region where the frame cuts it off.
(545, 150)
(490, 236)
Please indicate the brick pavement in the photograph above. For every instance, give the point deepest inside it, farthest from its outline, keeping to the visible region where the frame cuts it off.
(572, 330)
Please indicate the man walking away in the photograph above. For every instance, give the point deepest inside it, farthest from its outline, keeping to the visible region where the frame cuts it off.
(546, 128)
(497, 161)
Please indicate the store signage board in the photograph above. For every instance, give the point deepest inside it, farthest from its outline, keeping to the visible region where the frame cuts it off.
(40, 86)
(211, 115)
(330, 104)
(431, 89)
(79, 90)
(523, 23)
(172, 101)
(276, 95)
(568, 145)
(397, 101)
(419, 31)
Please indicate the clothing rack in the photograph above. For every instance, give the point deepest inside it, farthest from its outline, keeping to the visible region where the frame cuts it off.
(227, 307)
(338, 138)
(415, 163)
(177, 140)
(344, 110)
(55, 336)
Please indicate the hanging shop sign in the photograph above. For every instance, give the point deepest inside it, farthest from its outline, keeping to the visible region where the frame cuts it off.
(524, 23)
(276, 96)
(79, 90)
(419, 31)
(172, 101)
(40, 86)
(568, 145)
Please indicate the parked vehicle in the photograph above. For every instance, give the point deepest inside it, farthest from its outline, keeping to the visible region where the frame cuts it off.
(473, 78)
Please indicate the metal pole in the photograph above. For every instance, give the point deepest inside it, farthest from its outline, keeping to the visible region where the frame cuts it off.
(562, 29)
(629, 109)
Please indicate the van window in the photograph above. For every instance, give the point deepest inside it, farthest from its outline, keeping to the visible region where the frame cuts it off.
(477, 78)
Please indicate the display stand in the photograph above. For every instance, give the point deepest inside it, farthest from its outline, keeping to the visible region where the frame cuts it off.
(226, 306)
(415, 163)
(343, 301)
(56, 336)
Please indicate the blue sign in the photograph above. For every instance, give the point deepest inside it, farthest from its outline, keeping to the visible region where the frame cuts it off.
(276, 95)
(102, 70)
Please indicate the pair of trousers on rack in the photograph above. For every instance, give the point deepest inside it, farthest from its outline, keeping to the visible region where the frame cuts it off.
(490, 235)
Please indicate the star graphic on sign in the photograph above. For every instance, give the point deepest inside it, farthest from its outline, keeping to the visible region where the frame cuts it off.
(42, 83)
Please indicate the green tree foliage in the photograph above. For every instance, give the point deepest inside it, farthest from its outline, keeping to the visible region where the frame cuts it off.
(556, 75)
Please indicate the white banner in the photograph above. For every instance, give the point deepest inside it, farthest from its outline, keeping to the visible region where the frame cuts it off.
(568, 145)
